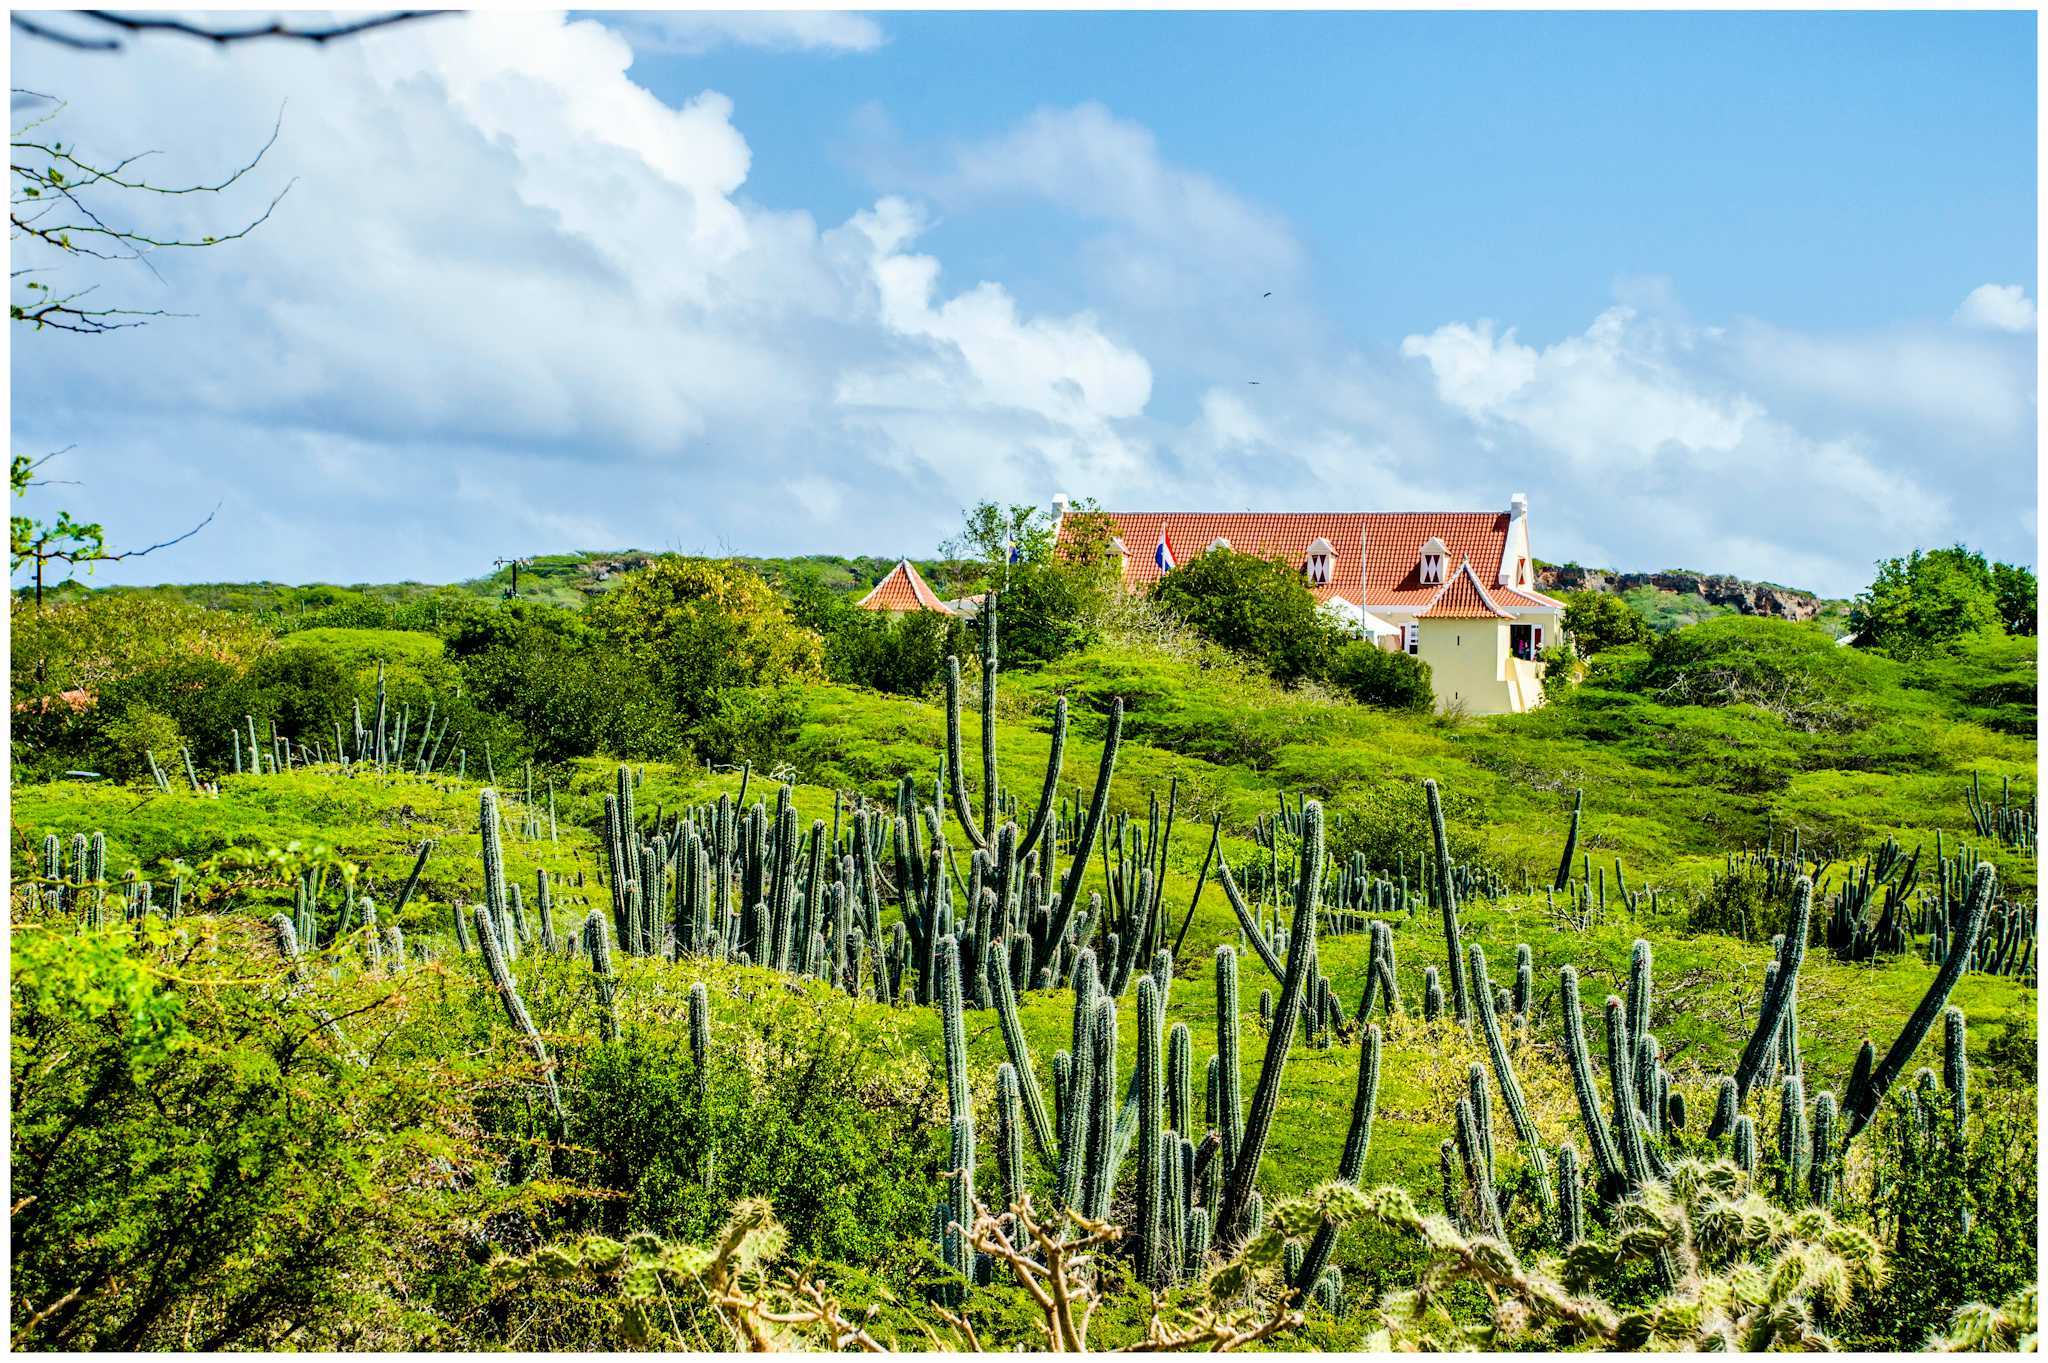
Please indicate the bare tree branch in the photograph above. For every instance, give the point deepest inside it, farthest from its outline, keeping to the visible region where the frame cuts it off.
(130, 24)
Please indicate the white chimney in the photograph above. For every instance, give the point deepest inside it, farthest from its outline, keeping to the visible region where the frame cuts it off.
(1059, 506)
(1518, 505)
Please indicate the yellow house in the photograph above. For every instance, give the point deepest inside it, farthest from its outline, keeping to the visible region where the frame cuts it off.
(1456, 589)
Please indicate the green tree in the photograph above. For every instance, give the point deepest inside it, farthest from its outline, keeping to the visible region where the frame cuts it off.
(2019, 596)
(1378, 676)
(1926, 603)
(706, 627)
(1597, 621)
(990, 535)
(1257, 606)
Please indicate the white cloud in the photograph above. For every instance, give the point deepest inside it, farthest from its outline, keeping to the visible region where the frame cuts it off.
(2000, 307)
(694, 32)
(497, 239)
(1616, 396)
(515, 301)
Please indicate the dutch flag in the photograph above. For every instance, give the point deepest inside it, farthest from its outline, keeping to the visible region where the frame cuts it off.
(1164, 555)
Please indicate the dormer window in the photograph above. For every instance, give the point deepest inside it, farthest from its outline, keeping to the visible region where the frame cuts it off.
(1320, 556)
(1433, 562)
(1219, 543)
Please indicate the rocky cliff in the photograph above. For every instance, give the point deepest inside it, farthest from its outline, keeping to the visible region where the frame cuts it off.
(1716, 589)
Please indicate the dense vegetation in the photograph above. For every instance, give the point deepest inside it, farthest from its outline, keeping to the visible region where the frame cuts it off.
(533, 1129)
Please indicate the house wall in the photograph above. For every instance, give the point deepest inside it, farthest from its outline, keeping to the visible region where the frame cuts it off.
(1468, 664)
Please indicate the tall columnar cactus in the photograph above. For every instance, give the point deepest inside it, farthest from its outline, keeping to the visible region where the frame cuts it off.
(515, 1010)
(1180, 1080)
(1571, 1199)
(1479, 1171)
(1955, 1066)
(1858, 1107)
(1525, 979)
(1020, 1057)
(1821, 1174)
(1607, 1158)
(1571, 845)
(1778, 996)
(1504, 1073)
(1009, 1136)
(412, 881)
(1102, 1111)
(1301, 950)
(1447, 902)
(1432, 995)
(1723, 1121)
(598, 946)
(1229, 1120)
(1792, 1141)
(1745, 1143)
(1151, 1124)
(495, 898)
(1639, 964)
(1357, 1145)
(1062, 915)
(960, 1174)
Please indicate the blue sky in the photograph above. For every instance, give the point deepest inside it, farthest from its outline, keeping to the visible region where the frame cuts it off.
(1740, 292)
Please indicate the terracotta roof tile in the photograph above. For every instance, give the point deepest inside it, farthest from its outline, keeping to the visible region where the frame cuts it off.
(903, 589)
(1377, 553)
(1523, 596)
(1462, 598)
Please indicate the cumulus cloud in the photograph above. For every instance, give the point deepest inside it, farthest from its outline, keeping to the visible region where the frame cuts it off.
(514, 301)
(2000, 307)
(497, 240)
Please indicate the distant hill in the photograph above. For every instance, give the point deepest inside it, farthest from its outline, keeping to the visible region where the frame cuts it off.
(1667, 599)
(1678, 596)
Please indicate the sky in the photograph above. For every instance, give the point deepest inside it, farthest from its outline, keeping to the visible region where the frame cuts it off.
(1735, 292)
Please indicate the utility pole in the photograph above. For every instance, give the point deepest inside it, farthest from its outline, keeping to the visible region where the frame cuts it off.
(514, 562)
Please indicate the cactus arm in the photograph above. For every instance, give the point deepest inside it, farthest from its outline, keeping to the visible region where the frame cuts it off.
(1070, 889)
(1447, 901)
(1975, 907)
(1246, 921)
(1020, 1057)
(1765, 1039)
(956, 782)
(1048, 799)
(1301, 946)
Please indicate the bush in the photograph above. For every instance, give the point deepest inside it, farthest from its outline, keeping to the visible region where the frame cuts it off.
(1045, 612)
(1789, 670)
(903, 655)
(1596, 621)
(757, 724)
(703, 627)
(1958, 1223)
(1376, 676)
(1260, 607)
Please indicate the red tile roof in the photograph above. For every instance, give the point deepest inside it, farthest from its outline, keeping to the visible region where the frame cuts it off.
(1378, 553)
(903, 589)
(1524, 596)
(1462, 598)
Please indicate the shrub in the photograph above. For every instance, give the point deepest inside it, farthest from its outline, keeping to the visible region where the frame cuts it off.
(1597, 621)
(1260, 607)
(1376, 676)
(757, 724)
(1789, 670)
(1046, 612)
(703, 627)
